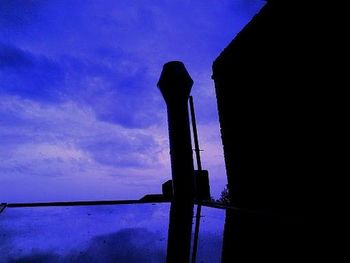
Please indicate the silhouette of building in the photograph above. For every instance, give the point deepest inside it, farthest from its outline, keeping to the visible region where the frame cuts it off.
(272, 117)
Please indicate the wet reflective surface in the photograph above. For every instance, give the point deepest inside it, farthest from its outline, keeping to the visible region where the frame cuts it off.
(210, 236)
(103, 233)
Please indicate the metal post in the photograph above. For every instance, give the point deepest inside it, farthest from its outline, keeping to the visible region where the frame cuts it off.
(175, 84)
(199, 167)
(195, 135)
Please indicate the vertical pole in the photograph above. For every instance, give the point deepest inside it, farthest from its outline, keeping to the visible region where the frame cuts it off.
(2, 207)
(175, 85)
(195, 135)
(196, 233)
(199, 167)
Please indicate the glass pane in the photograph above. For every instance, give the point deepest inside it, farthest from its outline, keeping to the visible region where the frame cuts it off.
(102, 233)
(111, 233)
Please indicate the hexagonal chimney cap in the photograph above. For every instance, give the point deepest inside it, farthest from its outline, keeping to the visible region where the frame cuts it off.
(175, 83)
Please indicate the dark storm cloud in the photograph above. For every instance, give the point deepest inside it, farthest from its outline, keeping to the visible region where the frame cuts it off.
(25, 74)
(102, 54)
(114, 85)
(15, 13)
(102, 84)
(15, 58)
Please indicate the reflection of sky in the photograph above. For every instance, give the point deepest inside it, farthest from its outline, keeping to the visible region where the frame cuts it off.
(80, 114)
(115, 233)
(210, 234)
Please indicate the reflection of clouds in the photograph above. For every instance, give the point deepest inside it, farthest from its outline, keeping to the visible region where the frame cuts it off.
(127, 245)
(36, 258)
(131, 245)
(106, 233)
(82, 232)
(209, 247)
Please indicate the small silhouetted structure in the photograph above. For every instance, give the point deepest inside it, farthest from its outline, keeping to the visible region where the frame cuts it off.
(167, 190)
(153, 198)
(202, 185)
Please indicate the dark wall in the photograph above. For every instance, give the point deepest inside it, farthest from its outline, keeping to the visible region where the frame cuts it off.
(273, 116)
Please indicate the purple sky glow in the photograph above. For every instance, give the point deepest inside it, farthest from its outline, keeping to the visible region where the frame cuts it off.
(81, 117)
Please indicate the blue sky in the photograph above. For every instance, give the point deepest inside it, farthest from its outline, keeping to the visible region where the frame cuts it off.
(80, 114)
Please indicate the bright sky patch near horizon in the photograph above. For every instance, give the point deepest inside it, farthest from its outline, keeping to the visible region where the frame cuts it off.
(80, 115)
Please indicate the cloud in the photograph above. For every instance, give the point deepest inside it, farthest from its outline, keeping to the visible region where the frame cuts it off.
(109, 55)
(27, 75)
(124, 151)
(11, 57)
(17, 13)
(114, 95)
(78, 87)
(69, 132)
(67, 141)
